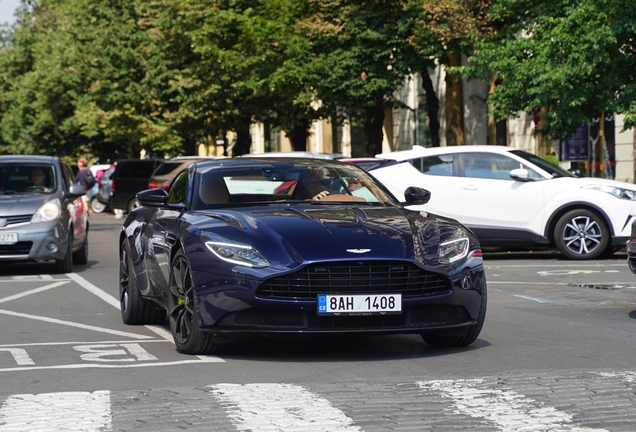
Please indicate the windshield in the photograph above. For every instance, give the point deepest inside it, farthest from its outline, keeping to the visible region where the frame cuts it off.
(550, 168)
(27, 178)
(288, 183)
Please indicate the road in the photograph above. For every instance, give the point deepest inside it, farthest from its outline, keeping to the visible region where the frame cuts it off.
(556, 353)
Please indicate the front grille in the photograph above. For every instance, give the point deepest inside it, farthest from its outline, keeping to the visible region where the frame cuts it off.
(354, 277)
(19, 248)
(12, 220)
(421, 317)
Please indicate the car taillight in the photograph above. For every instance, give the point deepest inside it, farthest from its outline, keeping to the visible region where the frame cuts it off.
(112, 186)
(152, 184)
(166, 185)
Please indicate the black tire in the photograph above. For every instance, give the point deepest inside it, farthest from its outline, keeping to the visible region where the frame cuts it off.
(183, 313)
(134, 310)
(470, 334)
(97, 206)
(81, 256)
(133, 204)
(65, 265)
(582, 234)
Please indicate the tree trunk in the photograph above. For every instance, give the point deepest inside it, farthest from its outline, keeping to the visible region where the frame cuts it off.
(373, 121)
(243, 143)
(298, 135)
(432, 107)
(454, 103)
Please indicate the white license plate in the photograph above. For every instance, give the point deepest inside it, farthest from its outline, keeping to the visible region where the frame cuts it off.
(337, 304)
(8, 238)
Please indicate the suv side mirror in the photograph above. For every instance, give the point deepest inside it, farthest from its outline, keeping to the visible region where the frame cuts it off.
(520, 174)
(415, 195)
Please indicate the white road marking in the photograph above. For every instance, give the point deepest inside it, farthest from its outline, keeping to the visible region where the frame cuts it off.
(94, 290)
(509, 410)
(19, 355)
(280, 407)
(628, 377)
(98, 352)
(201, 359)
(76, 343)
(67, 411)
(33, 291)
(77, 325)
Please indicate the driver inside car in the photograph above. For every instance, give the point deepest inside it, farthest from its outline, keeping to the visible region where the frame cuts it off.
(38, 178)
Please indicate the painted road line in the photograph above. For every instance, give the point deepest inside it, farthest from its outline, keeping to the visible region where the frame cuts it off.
(68, 411)
(76, 325)
(78, 343)
(33, 291)
(94, 290)
(280, 407)
(201, 359)
(541, 300)
(508, 409)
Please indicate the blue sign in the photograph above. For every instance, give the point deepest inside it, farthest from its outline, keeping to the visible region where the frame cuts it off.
(577, 147)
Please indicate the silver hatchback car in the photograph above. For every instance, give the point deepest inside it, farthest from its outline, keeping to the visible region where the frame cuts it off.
(42, 216)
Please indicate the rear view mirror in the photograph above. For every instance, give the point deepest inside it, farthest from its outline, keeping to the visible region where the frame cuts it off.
(415, 195)
(520, 174)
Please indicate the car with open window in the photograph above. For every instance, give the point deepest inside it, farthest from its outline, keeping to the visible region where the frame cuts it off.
(294, 247)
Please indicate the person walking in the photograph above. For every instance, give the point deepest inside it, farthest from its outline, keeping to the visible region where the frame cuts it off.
(85, 177)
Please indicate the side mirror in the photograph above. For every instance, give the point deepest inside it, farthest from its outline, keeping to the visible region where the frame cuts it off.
(75, 191)
(520, 174)
(152, 197)
(415, 195)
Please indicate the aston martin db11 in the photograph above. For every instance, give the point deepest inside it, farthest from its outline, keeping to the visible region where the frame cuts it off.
(296, 247)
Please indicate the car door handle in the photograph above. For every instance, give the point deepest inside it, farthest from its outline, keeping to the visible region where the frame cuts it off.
(470, 187)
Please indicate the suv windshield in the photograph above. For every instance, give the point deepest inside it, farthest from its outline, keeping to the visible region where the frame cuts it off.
(19, 178)
(550, 168)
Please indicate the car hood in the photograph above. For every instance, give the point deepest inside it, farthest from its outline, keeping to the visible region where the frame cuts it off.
(585, 181)
(289, 237)
(23, 204)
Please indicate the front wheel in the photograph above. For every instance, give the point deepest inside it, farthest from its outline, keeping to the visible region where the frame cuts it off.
(134, 310)
(581, 234)
(65, 265)
(184, 313)
(133, 204)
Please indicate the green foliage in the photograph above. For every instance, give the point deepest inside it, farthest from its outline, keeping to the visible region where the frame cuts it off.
(575, 58)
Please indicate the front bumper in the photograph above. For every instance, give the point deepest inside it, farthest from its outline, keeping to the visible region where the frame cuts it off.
(41, 241)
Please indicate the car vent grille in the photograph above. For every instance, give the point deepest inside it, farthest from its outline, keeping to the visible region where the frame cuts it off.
(19, 248)
(12, 220)
(355, 277)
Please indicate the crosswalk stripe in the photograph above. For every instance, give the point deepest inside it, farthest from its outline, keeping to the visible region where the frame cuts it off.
(280, 407)
(508, 409)
(54, 412)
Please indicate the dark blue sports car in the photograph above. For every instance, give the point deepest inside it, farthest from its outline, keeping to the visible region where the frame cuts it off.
(244, 247)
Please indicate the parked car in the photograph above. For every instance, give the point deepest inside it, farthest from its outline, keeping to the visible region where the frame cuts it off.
(224, 257)
(631, 249)
(130, 176)
(42, 217)
(164, 174)
(514, 199)
(101, 200)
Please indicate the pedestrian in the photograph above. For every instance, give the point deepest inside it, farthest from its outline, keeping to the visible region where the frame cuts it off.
(85, 178)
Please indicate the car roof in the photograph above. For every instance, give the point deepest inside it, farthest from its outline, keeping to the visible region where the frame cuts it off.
(419, 151)
(262, 161)
(28, 158)
(295, 154)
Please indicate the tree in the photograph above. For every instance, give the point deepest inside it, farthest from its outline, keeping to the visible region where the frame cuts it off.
(576, 59)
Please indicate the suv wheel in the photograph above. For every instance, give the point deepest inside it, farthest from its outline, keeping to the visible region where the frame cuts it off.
(581, 234)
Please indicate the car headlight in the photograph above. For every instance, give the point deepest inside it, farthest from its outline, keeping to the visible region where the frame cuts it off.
(455, 248)
(621, 193)
(239, 254)
(49, 211)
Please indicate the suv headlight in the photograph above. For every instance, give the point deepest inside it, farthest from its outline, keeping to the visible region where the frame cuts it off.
(455, 248)
(621, 193)
(49, 211)
(239, 254)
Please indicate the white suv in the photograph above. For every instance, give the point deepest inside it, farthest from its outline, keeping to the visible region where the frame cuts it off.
(514, 199)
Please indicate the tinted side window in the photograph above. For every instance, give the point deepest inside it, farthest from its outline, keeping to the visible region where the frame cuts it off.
(489, 165)
(140, 169)
(179, 189)
(69, 177)
(441, 165)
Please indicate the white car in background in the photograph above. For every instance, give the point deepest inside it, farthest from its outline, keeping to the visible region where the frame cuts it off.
(513, 199)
